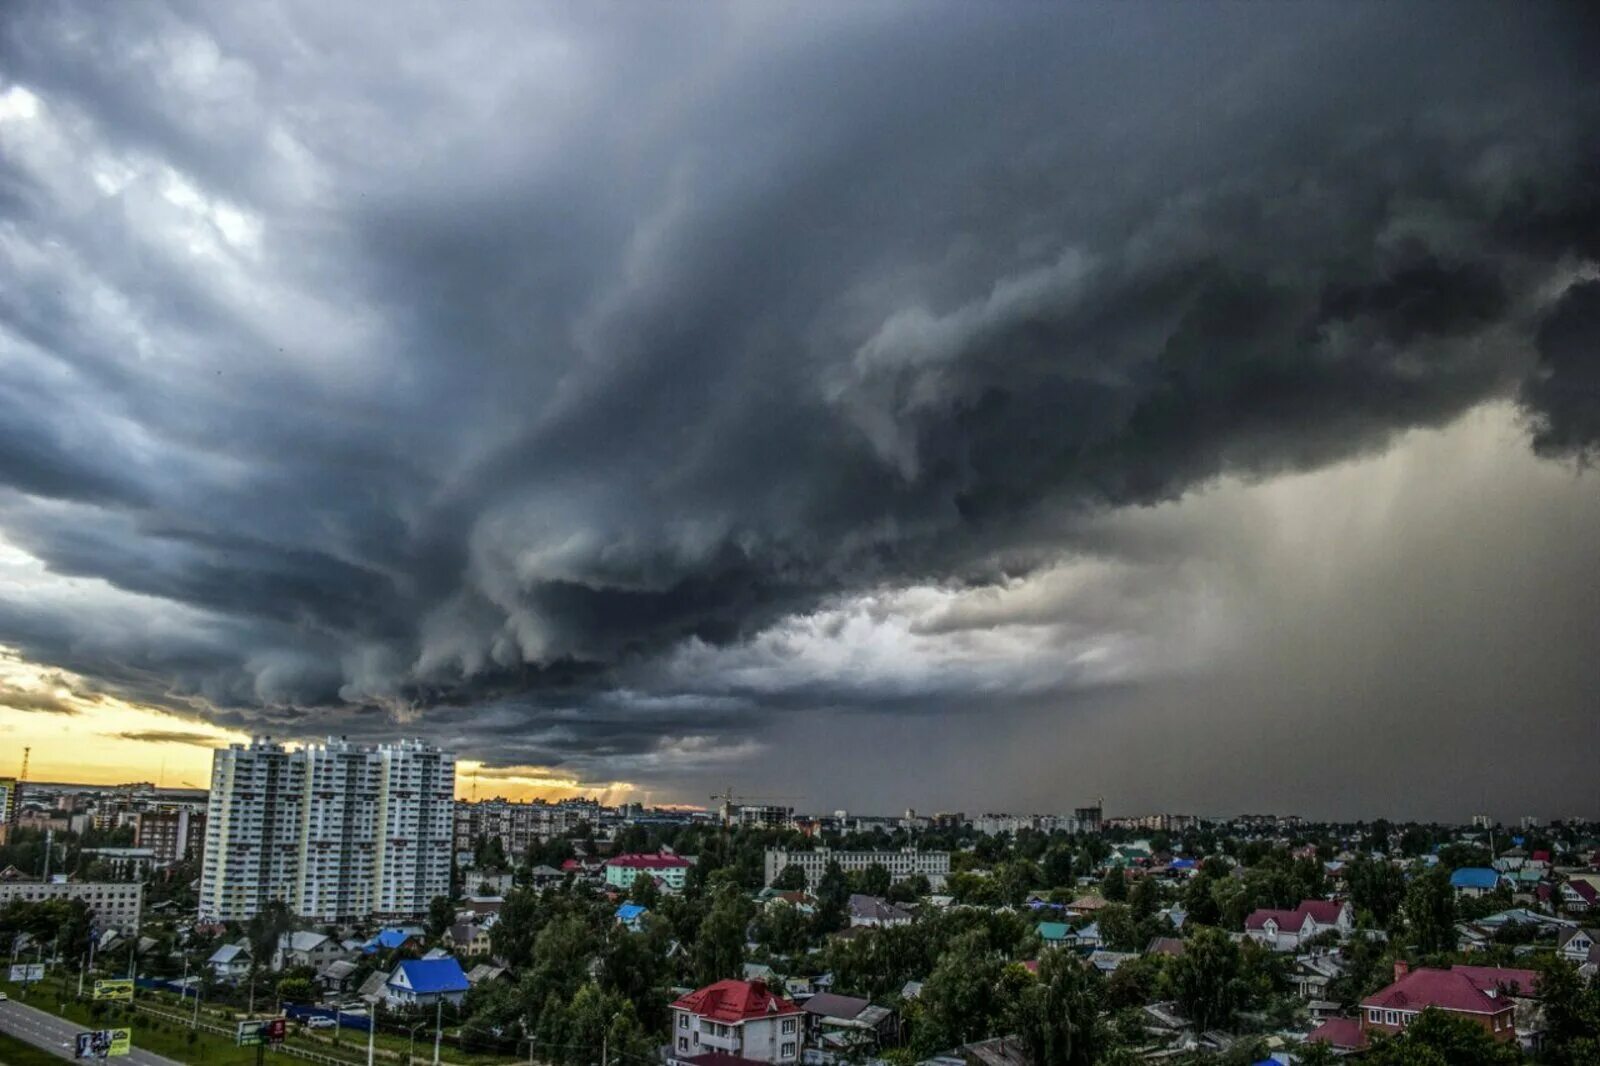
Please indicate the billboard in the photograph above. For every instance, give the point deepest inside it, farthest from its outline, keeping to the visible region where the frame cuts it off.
(27, 971)
(268, 1031)
(103, 1043)
(114, 988)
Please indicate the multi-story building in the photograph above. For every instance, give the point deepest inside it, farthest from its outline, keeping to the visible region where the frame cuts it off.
(736, 1020)
(670, 870)
(764, 816)
(172, 833)
(115, 906)
(518, 826)
(416, 806)
(252, 830)
(337, 831)
(10, 806)
(902, 864)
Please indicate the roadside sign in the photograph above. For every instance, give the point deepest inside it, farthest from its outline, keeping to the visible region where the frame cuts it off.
(27, 971)
(269, 1031)
(114, 988)
(103, 1043)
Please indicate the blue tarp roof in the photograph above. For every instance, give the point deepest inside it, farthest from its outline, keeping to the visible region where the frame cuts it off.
(629, 911)
(1474, 877)
(433, 975)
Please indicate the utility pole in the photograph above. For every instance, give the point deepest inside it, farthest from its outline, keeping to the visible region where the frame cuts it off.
(372, 1030)
(438, 1019)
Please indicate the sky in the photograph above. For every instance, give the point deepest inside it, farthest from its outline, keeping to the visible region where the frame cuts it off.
(866, 406)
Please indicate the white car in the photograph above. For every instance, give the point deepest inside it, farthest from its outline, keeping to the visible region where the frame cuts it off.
(319, 1022)
(3, 997)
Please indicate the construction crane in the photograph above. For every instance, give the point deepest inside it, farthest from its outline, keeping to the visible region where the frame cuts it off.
(731, 803)
(16, 798)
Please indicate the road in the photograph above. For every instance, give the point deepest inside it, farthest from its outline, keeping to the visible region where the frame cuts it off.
(56, 1035)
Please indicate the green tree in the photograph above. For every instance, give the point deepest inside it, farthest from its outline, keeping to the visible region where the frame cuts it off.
(874, 880)
(1206, 979)
(719, 948)
(1378, 887)
(1430, 910)
(790, 879)
(1058, 1016)
(1115, 886)
(297, 990)
(964, 995)
(1145, 899)
(1571, 1015)
(441, 915)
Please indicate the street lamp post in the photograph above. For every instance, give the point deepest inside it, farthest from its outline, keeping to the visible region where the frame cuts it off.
(438, 1019)
(372, 1030)
(412, 1050)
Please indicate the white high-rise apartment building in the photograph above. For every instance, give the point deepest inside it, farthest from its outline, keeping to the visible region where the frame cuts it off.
(338, 831)
(415, 827)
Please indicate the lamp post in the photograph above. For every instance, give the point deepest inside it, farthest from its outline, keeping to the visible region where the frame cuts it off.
(412, 1050)
(372, 1029)
(438, 1019)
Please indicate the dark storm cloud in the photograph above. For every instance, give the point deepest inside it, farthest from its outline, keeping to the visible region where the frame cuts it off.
(557, 383)
(170, 736)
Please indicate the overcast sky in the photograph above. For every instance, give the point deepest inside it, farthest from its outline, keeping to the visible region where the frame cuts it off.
(968, 406)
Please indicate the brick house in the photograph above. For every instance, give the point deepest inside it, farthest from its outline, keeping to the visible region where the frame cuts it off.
(1483, 994)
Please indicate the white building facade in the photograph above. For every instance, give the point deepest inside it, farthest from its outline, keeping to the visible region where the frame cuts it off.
(903, 864)
(337, 831)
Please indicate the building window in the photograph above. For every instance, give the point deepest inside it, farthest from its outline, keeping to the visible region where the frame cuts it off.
(683, 1021)
(1374, 1016)
(788, 1050)
(1391, 1017)
(683, 1043)
(788, 1026)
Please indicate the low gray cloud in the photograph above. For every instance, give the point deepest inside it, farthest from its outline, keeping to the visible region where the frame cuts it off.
(615, 390)
(170, 736)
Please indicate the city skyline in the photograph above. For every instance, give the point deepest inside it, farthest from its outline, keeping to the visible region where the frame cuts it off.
(905, 405)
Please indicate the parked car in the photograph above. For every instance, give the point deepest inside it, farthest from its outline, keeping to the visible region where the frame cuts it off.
(319, 1022)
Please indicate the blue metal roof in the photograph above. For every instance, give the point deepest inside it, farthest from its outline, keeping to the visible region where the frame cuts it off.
(433, 975)
(391, 938)
(629, 911)
(1474, 877)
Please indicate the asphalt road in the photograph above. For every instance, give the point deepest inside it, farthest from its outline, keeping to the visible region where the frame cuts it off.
(56, 1035)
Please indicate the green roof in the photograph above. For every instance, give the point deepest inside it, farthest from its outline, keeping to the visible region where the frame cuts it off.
(1054, 930)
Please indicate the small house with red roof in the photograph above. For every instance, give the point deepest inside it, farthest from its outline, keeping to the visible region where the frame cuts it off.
(1344, 1035)
(1577, 897)
(1485, 995)
(670, 871)
(735, 1023)
(1287, 930)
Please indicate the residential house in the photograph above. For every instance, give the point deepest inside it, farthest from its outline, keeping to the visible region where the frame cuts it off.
(231, 962)
(873, 912)
(1485, 995)
(1475, 881)
(395, 939)
(1169, 946)
(846, 1026)
(305, 948)
(1344, 1035)
(1056, 935)
(1581, 947)
(1088, 936)
(424, 982)
(735, 1020)
(631, 916)
(485, 973)
(1577, 896)
(335, 977)
(544, 876)
(468, 938)
(1287, 930)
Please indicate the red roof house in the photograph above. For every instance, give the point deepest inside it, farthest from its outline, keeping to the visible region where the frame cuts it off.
(1482, 994)
(740, 1019)
(1345, 1034)
(1285, 930)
